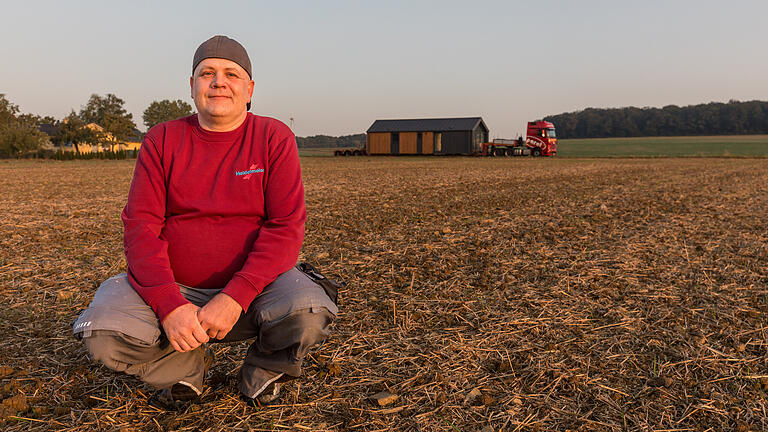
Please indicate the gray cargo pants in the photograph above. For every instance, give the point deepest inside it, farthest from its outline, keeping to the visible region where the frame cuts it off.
(291, 315)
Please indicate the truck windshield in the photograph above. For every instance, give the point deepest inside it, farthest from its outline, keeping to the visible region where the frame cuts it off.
(551, 133)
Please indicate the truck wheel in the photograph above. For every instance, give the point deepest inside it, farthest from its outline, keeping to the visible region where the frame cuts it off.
(347, 153)
(498, 152)
(536, 152)
(356, 153)
(338, 153)
(508, 152)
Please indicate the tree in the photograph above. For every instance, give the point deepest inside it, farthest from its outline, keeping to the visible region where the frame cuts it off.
(8, 110)
(108, 112)
(73, 130)
(165, 110)
(18, 133)
(47, 120)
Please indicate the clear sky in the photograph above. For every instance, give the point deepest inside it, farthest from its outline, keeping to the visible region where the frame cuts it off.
(336, 66)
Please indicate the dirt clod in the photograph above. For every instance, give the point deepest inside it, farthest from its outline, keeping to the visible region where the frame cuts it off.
(473, 397)
(384, 398)
(16, 403)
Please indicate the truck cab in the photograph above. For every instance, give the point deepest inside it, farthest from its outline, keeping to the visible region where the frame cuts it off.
(541, 138)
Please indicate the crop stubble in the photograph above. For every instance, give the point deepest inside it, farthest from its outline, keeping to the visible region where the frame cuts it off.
(510, 294)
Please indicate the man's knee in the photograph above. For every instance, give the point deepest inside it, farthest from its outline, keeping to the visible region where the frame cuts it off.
(118, 351)
(313, 327)
(292, 292)
(104, 347)
(300, 330)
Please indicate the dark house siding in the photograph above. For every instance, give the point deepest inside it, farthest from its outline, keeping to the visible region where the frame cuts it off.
(456, 142)
(419, 144)
(394, 143)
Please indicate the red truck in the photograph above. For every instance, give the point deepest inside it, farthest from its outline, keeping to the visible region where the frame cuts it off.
(540, 140)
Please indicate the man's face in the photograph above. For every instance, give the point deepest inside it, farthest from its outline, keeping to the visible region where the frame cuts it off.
(221, 89)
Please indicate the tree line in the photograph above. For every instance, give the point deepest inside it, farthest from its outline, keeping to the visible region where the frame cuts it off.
(25, 135)
(714, 118)
(30, 135)
(325, 141)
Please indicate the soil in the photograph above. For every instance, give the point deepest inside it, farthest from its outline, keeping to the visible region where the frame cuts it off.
(487, 294)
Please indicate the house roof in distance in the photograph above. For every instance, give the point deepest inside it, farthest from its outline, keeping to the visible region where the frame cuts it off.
(49, 129)
(427, 125)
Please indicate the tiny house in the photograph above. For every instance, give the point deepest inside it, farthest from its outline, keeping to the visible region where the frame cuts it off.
(438, 136)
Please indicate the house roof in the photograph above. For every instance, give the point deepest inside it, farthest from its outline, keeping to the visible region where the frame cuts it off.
(427, 125)
(48, 128)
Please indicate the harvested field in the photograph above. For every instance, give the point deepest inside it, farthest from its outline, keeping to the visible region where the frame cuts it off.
(487, 294)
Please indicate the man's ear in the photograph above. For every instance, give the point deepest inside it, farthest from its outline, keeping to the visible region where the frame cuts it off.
(192, 86)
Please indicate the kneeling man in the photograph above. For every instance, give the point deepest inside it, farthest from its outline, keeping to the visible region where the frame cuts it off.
(213, 227)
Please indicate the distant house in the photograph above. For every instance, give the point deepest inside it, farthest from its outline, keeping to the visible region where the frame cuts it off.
(111, 142)
(108, 141)
(50, 130)
(443, 136)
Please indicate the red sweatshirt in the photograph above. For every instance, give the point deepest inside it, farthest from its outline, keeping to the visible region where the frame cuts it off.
(213, 209)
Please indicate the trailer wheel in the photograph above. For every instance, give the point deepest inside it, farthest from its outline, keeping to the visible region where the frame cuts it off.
(498, 152)
(536, 152)
(338, 153)
(356, 153)
(508, 152)
(347, 153)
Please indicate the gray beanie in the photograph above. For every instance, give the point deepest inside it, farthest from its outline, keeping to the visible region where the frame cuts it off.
(222, 47)
(225, 48)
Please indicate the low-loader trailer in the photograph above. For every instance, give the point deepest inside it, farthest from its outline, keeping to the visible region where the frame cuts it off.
(540, 140)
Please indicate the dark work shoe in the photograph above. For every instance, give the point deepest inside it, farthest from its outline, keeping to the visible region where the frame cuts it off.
(175, 398)
(269, 396)
(269, 393)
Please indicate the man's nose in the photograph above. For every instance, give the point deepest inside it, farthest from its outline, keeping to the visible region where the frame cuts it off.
(219, 80)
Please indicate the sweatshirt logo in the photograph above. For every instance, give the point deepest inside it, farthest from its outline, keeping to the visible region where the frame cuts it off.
(254, 169)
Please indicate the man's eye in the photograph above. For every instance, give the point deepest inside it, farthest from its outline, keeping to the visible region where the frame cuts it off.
(207, 74)
(232, 75)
